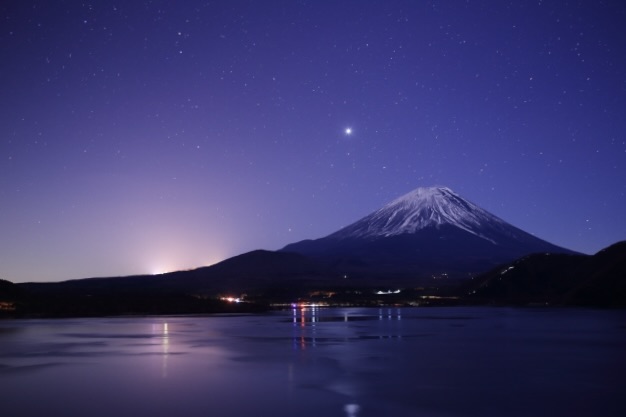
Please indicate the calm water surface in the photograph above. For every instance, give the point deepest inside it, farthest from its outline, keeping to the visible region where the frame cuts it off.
(319, 362)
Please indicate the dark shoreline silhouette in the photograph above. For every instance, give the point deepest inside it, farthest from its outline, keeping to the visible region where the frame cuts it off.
(265, 280)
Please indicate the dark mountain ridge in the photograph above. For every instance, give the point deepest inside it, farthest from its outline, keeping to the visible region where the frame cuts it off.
(254, 270)
(557, 279)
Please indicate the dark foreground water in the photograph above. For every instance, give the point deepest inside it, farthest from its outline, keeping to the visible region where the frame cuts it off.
(319, 362)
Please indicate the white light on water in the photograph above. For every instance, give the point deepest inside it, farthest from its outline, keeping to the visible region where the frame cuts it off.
(351, 409)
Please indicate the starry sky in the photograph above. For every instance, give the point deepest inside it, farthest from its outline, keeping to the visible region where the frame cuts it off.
(150, 136)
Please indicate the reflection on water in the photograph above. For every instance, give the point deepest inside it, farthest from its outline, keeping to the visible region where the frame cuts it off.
(306, 320)
(352, 409)
(311, 361)
(164, 331)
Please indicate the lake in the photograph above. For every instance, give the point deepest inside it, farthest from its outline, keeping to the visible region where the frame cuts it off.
(352, 362)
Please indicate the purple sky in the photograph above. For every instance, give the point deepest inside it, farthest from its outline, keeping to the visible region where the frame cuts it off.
(142, 137)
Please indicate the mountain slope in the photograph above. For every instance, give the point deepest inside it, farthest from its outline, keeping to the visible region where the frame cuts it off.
(273, 275)
(429, 231)
(254, 270)
(598, 280)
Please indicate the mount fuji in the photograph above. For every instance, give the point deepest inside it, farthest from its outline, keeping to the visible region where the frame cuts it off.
(430, 240)
(429, 232)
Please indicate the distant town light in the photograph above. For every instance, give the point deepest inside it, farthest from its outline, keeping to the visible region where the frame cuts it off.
(388, 292)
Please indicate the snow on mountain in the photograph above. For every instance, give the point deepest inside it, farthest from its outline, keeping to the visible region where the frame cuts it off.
(422, 208)
(425, 233)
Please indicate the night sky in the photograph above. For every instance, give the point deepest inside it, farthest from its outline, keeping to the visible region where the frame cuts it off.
(150, 136)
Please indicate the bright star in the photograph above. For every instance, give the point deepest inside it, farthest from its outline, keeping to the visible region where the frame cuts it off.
(348, 131)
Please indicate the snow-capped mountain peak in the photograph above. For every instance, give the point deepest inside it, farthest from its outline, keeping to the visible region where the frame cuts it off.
(424, 233)
(419, 209)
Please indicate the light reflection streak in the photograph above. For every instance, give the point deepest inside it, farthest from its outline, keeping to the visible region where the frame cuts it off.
(313, 320)
(302, 314)
(390, 315)
(351, 410)
(165, 343)
(308, 319)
